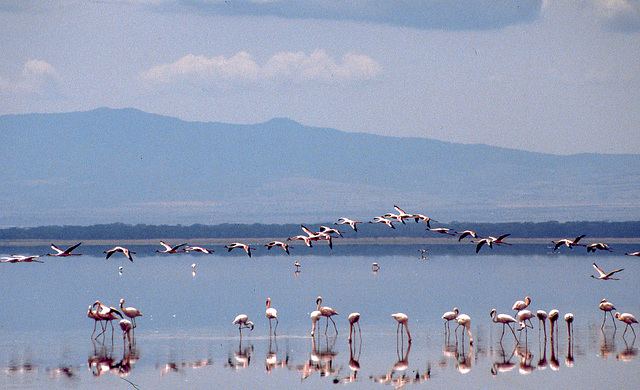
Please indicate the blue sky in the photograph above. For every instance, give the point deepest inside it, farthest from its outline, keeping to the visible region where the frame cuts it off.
(550, 76)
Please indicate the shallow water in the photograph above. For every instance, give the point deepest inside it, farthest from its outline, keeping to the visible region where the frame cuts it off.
(186, 340)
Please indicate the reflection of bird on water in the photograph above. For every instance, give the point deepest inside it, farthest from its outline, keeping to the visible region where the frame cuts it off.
(241, 358)
(607, 306)
(525, 361)
(328, 312)
(449, 316)
(354, 318)
(569, 359)
(505, 365)
(130, 312)
(464, 320)
(505, 320)
(242, 320)
(403, 320)
(628, 319)
(629, 353)
(271, 313)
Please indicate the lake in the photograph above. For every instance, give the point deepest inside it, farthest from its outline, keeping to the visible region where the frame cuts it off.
(185, 338)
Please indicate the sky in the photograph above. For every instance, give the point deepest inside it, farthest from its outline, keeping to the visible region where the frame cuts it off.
(558, 77)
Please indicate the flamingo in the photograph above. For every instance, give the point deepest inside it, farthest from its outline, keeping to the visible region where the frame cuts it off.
(384, 220)
(315, 316)
(523, 317)
(95, 317)
(394, 217)
(297, 265)
(171, 249)
(21, 259)
(126, 327)
(628, 319)
(420, 217)
(567, 242)
(607, 306)
(375, 267)
(353, 319)
(598, 246)
(466, 233)
(300, 237)
(115, 249)
(403, 320)
(569, 319)
(328, 230)
(234, 245)
(633, 254)
(242, 320)
(449, 316)
(281, 244)
(271, 313)
(464, 320)
(316, 236)
(198, 249)
(520, 305)
(603, 276)
(347, 221)
(505, 320)
(441, 230)
(328, 312)
(130, 312)
(106, 314)
(542, 317)
(64, 253)
(553, 317)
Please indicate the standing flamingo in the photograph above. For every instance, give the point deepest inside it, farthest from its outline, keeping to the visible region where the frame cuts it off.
(449, 316)
(328, 312)
(542, 317)
(520, 305)
(353, 319)
(96, 318)
(569, 319)
(315, 316)
(628, 319)
(403, 320)
(505, 320)
(130, 312)
(242, 320)
(553, 317)
(464, 320)
(607, 306)
(271, 313)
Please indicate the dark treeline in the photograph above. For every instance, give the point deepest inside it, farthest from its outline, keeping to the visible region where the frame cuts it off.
(115, 231)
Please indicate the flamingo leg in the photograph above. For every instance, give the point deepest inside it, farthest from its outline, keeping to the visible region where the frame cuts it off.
(614, 321)
(334, 324)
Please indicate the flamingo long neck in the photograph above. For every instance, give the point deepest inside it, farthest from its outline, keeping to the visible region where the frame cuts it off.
(319, 303)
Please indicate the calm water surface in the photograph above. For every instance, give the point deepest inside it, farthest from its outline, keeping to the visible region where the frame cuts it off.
(186, 340)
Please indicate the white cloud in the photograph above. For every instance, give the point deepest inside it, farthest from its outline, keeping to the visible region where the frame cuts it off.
(618, 15)
(38, 79)
(296, 67)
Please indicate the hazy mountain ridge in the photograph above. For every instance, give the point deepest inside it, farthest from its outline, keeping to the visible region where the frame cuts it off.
(125, 165)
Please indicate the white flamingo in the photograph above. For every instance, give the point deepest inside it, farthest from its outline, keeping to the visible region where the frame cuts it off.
(567, 242)
(301, 237)
(505, 320)
(281, 244)
(96, 318)
(130, 312)
(198, 249)
(235, 245)
(604, 276)
(403, 320)
(328, 312)
(354, 318)
(126, 252)
(542, 317)
(607, 306)
(569, 320)
(449, 316)
(384, 220)
(441, 230)
(171, 249)
(271, 313)
(598, 246)
(520, 305)
(126, 327)
(315, 316)
(464, 320)
(64, 253)
(347, 221)
(424, 218)
(466, 233)
(242, 320)
(633, 254)
(628, 319)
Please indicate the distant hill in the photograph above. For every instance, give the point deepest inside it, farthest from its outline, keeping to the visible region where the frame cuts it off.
(125, 165)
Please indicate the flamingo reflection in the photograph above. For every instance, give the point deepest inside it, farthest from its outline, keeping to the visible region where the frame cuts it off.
(271, 360)
(241, 357)
(504, 365)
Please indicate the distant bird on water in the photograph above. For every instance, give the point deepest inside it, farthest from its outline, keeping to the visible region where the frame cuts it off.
(242, 320)
(271, 313)
(126, 252)
(628, 319)
(607, 306)
(234, 245)
(604, 276)
(130, 312)
(328, 312)
(403, 320)
(353, 319)
(567, 242)
(64, 253)
(449, 316)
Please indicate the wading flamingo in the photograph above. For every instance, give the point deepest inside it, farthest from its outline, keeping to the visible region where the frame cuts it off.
(520, 305)
(328, 312)
(505, 320)
(449, 316)
(242, 320)
(271, 313)
(354, 318)
(464, 320)
(403, 320)
(130, 312)
(628, 319)
(607, 306)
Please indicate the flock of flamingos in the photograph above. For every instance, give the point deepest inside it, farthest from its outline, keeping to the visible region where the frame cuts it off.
(521, 320)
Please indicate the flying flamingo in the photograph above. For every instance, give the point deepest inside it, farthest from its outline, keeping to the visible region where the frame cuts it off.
(301, 237)
(449, 316)
(384, 220)
(394, 217)
(603, 276)
(242, 320)
(567, 242)
(441, 230)
(466, 233)
(598, 246)
(633, 254)
(464, 320)
(271, 313)
(126, 252)
(328, 230)
(347, 221)
(171, 249)
(607, 306)
(198, 249)
(628, 319)
(21, 259)
(234, 245)
(130, 312)
(420, 217)
(328, 312)
(403, 320)
(281, 244)
(64, 253)
(520, 305)
(353, 319)
(505, 320)
(402, 214)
